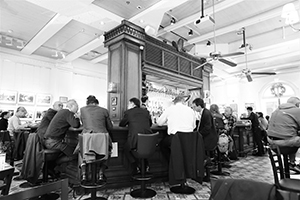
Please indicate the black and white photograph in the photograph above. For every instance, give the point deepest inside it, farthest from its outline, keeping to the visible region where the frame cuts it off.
(8, 96)
(26, 98)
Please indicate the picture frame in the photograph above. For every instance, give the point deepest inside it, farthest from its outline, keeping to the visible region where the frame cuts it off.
(43, 99)
(63, 99)
(7, 96)
(26, 98)
(29, 115)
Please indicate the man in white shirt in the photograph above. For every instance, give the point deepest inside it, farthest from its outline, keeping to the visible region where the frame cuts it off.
(179, 118)
(14, 123)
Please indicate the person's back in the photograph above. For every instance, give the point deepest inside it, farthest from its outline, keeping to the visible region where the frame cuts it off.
(285, 121)
(95, 119)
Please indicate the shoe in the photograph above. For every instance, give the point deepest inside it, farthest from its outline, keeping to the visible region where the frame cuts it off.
(102, 179)
(257, 154)
(206, 179)
(18, 178)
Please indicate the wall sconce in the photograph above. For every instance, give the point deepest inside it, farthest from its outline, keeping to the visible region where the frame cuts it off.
(173, 21)
(290, 14)
(190, 33)
(112, 87)
(278, 89)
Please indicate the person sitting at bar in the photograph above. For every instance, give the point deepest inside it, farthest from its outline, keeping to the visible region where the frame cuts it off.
(4, 120)
(46, 119)
(56, 131)
(14, 123)
(139, 121)
(284, 128)
(257, 137)
(179, 118)
(96, 124)
(30, 160)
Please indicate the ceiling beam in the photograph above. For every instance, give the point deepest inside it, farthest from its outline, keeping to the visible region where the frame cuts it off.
(85, 48)
(100, 58)
(209, 11)
(50, 29)
(248, 22)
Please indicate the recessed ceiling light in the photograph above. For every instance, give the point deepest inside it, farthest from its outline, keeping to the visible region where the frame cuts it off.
(102, 23)
(139, 7)
(141, 21)
(10, 31)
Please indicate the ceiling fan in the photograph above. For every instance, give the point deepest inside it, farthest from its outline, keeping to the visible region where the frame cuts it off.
(247, 72)
(216, 55)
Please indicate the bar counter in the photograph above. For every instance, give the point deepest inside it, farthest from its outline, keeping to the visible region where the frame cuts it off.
(118, 172)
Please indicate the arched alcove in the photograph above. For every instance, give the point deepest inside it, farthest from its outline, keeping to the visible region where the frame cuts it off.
(269, 102)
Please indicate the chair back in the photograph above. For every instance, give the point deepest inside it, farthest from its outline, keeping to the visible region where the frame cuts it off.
(277, 164)
(146, 144)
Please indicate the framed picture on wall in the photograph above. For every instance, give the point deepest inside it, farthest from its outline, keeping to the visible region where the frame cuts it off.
(26, 98)
(29, 115)
(8, 96)
(43, 99)
(63, 99)
(39, 114)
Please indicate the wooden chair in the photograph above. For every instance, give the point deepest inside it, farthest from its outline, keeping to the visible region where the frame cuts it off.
(281, 181)
(146, 147)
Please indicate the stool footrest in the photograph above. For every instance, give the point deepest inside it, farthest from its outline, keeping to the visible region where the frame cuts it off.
(92, 185)
(140, 193)
(182, 189)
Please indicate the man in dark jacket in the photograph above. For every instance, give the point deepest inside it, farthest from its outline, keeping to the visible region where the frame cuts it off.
(257, 137)
(206, 125)
(57, 106)
(57, 129)
(139, 121)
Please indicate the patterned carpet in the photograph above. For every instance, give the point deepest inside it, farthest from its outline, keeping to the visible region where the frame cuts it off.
(250, 167)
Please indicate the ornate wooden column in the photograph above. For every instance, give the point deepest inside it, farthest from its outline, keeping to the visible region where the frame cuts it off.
(125, 44)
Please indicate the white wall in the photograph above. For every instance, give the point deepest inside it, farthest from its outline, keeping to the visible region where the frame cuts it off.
(240, 91)
(38, 75)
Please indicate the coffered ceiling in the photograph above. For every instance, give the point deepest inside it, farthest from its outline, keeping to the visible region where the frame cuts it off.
(69, 29)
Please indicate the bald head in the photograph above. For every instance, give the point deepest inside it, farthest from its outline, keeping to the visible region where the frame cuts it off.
(294, 100)
(58, 105)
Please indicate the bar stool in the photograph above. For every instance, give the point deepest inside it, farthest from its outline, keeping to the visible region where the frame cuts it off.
(50, 155)
(92, 184)
(285, 152)
(146, 146)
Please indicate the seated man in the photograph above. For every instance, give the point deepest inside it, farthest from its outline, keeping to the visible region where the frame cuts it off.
(14, 123)
(139, 121)
(284, 127)
(57, 129)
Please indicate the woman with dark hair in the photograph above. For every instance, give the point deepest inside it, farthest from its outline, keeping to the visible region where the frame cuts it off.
(139, 121)
(4, 120)
(96, 140)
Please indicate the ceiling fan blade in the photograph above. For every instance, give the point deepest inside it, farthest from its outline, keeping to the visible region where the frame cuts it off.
(232, 54)
(227, 62)
(263, 73)
(202, 65)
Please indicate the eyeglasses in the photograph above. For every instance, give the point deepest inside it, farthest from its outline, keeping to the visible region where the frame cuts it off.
(61, 105)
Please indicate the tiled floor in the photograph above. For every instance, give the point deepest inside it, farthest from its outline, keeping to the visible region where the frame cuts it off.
(256, 168)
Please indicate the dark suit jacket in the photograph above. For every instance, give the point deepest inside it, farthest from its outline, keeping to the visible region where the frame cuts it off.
(138, 121)
(208, 130)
